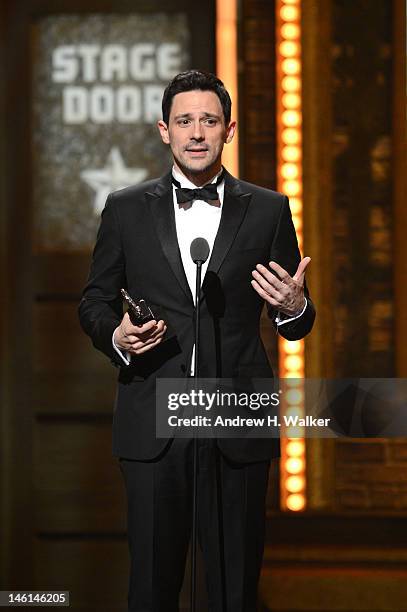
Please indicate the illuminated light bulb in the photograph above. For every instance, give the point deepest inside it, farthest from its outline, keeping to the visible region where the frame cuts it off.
(291, 118)
(292, 383)
(289, 171)
(291, 84)
(294, 396)
(291, 188)
(289, 13)
(295, 448)
(291, 100)
(295, 502)
(291, 66)
(294, 465)
(290, 31)
(293, 362)
(289, 48)
(291, 136)
(290, 1)
(291, 154)
(296, 346)
(295, 206)
(294, 484)
(293, 411)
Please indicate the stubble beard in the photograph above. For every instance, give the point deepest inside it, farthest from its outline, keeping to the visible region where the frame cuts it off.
(187, 168)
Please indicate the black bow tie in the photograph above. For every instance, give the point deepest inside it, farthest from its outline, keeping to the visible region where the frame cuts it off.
(209, 193)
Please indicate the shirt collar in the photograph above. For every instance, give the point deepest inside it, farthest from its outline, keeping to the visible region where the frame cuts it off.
(187, 183)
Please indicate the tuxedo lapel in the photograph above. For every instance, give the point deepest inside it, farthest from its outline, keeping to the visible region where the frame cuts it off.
(234, 209)
(235, 203)
(162, 210)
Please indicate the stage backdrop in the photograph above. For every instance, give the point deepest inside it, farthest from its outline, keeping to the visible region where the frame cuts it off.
(98, 82)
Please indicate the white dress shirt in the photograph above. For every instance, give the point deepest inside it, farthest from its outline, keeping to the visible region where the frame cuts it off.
(199, 220)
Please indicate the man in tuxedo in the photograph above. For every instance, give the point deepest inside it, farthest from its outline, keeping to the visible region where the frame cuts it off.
(143, 245)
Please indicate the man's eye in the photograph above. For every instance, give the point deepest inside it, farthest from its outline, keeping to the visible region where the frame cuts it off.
(210, 121)
(183, 122)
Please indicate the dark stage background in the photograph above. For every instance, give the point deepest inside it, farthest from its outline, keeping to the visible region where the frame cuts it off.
(62, 511)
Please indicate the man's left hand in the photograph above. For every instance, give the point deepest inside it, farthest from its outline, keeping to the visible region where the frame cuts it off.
(286, 293)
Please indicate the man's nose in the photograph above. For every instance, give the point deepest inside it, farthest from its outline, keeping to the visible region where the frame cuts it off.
(197, 131)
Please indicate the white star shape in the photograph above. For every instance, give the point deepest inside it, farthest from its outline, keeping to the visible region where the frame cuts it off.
(115, 175)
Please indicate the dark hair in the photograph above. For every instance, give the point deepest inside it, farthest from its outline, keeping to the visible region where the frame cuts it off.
(191, 80)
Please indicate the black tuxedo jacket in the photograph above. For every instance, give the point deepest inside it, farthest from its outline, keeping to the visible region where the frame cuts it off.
(137, 249)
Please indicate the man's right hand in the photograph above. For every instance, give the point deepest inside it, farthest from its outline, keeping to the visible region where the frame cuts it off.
(137, 340)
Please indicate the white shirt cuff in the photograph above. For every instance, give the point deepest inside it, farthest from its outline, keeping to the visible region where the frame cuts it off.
(125, 355)
(297, 316)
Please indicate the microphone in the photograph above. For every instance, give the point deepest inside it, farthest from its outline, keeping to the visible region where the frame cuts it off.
(199, 250)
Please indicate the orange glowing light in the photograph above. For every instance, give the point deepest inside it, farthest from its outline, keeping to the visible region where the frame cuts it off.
(289, 171)
(291, 188)
(291, 153)
(294, 465)
(291, 100)
(289, 48)
(226, 69)
(294, 374)
(296, 206)
(289, 166)
(291, 66)
(289, 13)
(295, 448)
(292, 362)
(295, 502)
(290, 136)
(291, 118)
(297, 223)
(290, 31)
(292, 347)
(294, 484)
(291, 84)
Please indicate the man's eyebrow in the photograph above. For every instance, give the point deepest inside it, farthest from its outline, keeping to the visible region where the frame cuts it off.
(188, 115)
(214, 115)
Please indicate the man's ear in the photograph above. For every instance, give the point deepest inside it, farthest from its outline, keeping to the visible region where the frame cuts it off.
(230, 131)
(163, 128)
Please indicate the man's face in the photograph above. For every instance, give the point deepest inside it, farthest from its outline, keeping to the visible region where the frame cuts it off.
(196, 131)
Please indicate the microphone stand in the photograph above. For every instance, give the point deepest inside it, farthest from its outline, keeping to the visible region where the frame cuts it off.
(195, 443)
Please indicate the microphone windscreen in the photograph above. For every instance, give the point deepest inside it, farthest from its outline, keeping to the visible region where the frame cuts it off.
(199, 250)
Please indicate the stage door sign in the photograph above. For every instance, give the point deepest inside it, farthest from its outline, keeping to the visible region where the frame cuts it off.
(97, 87)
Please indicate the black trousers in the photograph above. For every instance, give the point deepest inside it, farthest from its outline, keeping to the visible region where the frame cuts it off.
(231, 517)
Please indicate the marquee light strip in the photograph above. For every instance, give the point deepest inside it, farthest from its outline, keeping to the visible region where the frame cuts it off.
(226, 70)
(289, 182)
